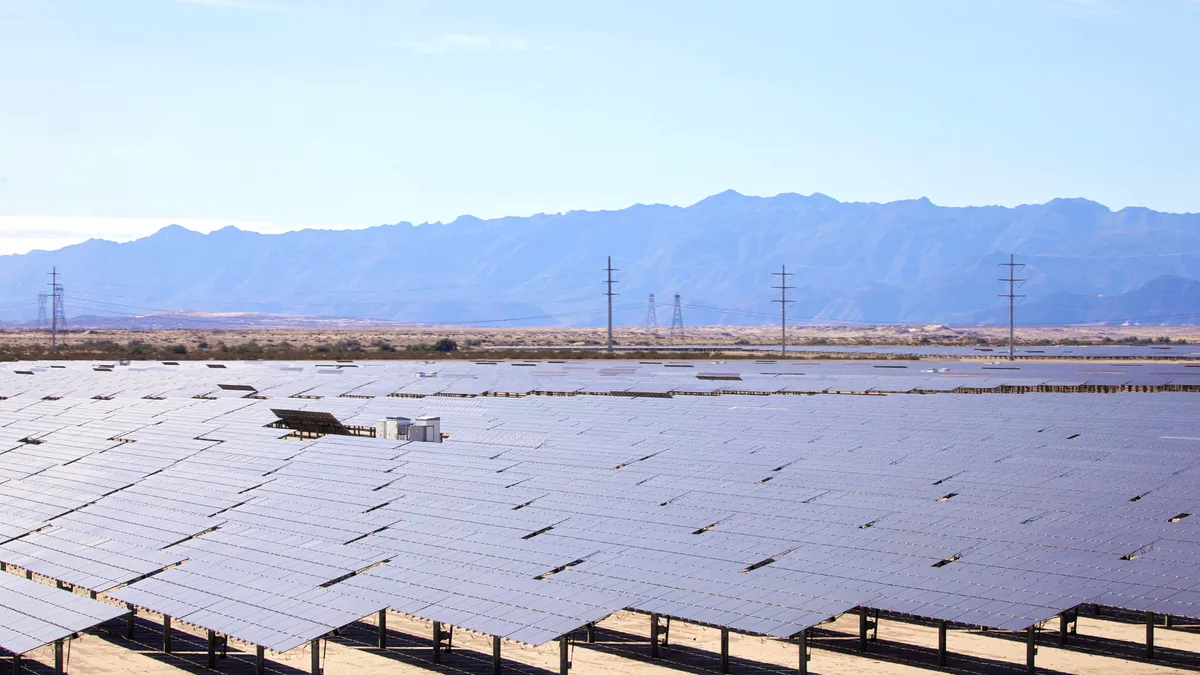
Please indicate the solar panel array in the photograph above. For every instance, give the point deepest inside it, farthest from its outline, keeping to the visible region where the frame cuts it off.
(540, 514)
(238, 380)
(1176, 351)
(33, 614)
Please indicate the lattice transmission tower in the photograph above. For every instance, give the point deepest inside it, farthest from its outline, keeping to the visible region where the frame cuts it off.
(651, 316)
(42, 324)
(677, 319)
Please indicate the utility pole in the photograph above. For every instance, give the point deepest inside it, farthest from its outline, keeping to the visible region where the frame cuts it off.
(651, 316)
(58, 315)
(1012, 266)
(610, 295)
(783, 275)
(677, 319)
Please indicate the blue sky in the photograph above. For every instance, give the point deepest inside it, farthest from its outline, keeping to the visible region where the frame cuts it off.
(119, 117)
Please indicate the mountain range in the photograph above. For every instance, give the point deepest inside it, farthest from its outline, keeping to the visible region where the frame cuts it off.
(905, 262)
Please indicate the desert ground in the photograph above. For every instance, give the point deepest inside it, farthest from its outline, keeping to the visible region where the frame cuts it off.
(1101, 647)
(249, 341)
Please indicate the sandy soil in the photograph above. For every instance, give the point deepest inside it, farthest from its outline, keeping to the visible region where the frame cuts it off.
(699, 335)
(1102, 647)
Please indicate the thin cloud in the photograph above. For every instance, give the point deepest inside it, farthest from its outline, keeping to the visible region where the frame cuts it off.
(448, 43)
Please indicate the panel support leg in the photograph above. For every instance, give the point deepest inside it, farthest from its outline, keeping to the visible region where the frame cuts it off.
(437, 642)
(1167, 623)
(58, 656)
(564, 656)
(1062, 628)
(804, 657)
(16, 664)
(166, 634)
(382, 629)
(724, 650)
(1149, 635)
(654, 636)
(316, 656)
(591, 633)
(212, 649)
(1030, 649)
(130, 622)
(260, 660)
(942, 644)
(495, 655)
(862, 629)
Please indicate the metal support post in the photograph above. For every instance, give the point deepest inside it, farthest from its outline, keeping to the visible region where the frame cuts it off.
(591, 633)
(564, 656)
(260, 660)
(212, 649)
(1149, 635)
(16, 664)
(1167, 621)
(316, 656)
(862, 629)
(224, 646)
(382, 629)
(131, 622)
(654, 636)
(92, 595)
(58, 656)
(804, 657)
(166, 634)
(437, 642)
(724, 650)
(495, 655)
(29, 574)
(942, 644)
(1030, 649)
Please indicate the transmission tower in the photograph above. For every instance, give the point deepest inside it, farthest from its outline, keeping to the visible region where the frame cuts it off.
(58, 316)
(609, 281)
(1012, 266)
(41, 320)
(651, 316)
(677, 319)
(783, 275)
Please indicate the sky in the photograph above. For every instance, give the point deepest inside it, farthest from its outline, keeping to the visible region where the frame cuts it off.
(120, 117)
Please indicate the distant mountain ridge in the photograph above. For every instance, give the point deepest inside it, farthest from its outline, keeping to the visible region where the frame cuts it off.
(907, 262)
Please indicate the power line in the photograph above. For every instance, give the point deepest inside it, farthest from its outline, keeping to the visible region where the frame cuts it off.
(360, 291)
(1012, 266)
(783, 303)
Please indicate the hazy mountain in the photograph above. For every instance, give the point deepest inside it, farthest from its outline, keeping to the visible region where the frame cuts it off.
(907, 261)
(1163, 300)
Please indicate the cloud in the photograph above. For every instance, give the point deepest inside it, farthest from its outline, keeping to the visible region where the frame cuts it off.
(448, 43)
